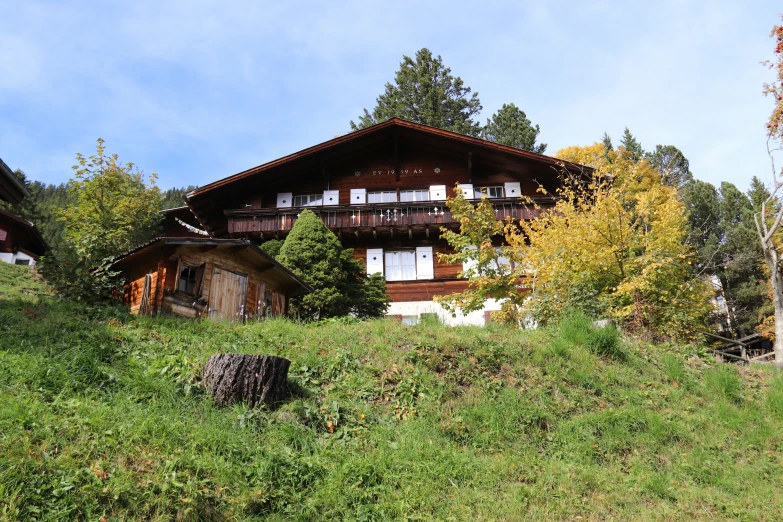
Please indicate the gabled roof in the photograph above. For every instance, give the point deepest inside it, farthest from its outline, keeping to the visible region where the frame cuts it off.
(11, 189)
(358, 135)
(208, 202)
(265, 261)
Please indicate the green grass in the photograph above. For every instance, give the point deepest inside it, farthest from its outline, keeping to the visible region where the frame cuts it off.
(103, 414)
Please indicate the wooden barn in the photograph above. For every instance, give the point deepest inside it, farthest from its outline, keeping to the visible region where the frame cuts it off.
(229, 279)
(382, 190)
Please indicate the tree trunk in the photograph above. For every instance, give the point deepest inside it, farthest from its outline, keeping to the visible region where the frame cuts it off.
(234, 377)
(777, 299)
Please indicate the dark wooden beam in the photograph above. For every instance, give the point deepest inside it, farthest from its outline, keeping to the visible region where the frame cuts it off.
(396, 157)
(470, 167)
(207, 248)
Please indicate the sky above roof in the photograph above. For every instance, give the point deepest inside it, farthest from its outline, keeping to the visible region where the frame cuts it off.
(196, 91)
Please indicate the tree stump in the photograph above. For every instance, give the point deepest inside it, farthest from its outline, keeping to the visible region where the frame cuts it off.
(235, 377)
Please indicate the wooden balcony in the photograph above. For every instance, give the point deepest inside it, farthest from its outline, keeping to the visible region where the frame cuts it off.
(384, 218)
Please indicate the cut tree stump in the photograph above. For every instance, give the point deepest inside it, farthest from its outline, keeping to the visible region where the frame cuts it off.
(236, 377)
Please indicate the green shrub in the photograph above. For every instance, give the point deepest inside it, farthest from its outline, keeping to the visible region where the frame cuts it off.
(606, 341)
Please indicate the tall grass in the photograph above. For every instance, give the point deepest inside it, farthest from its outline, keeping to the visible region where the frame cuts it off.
(102, 414)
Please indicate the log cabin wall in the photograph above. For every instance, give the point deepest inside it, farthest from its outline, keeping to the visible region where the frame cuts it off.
(165, 264)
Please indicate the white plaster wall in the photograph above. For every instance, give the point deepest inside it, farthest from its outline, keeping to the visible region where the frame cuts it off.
(11, 258)
(416, 308)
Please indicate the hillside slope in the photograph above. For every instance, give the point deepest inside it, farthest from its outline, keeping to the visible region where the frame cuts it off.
(102, 414)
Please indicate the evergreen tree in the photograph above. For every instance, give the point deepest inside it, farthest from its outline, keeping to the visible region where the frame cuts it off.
(272, 247)
(632, 147)
(172, 198)
(607, 142)
(510, 126)
(672, 164)
(425, 91)
(339, 284)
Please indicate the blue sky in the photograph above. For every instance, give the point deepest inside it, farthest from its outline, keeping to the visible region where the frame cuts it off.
(196, 91)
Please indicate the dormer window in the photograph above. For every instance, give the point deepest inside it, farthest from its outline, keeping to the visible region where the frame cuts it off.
(309, 200)
(490, 192)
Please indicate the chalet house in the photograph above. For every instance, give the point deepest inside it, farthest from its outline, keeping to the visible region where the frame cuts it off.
(382, 190)
(230, 279)
(20, 242)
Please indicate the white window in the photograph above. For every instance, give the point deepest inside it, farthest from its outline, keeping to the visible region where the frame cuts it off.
(400, 266)
(384, 196)
(308, 200)
(490, 192)
(415, 195)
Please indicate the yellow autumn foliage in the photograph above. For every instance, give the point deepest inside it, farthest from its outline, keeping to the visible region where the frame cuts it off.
(614, 244)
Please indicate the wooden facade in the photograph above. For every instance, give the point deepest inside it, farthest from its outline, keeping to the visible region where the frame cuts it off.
(20, 241)
(201, 277)
(382, 190)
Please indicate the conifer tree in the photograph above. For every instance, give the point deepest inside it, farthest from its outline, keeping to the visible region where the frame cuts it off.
(631, 145)
(339, 284)
(510, 126)
(425, 91)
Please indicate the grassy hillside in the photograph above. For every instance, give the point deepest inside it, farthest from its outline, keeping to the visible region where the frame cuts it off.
(102, 414)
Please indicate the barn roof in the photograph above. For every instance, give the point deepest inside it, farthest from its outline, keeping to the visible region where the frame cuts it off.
(32, 240)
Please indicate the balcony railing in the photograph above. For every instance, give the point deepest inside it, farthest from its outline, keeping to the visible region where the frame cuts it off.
(374, 216)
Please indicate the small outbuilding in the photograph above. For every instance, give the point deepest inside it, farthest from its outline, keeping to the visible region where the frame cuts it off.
(20, 241)
(229, 279)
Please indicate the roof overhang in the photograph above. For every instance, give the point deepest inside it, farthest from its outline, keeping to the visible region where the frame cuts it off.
(263, 261)
(35, 242)
(11, 189)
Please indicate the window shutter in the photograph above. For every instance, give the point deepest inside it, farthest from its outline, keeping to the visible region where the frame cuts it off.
(358, 196)
(284, 199)
(374, 261)
(424, 264)
(438, 192)
(512, 189)
(467, 190)
(470, 263)
(331, 197)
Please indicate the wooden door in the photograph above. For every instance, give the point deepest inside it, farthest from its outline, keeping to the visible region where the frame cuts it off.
(227, 294)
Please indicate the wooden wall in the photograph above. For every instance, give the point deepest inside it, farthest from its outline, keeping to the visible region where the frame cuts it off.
(164, 267)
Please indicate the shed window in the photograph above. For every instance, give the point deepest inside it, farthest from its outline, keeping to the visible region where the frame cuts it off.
(187, 279)
(490, 192)
(308, 200)
(382, 196)
(415, 195)
(22, 262)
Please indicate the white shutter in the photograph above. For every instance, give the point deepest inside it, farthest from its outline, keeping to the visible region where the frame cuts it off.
(424, 265)
(512, 189)
(358, 196)
(374, 261)
(438, 192)
(284, 199)
(470, 263)
(467, 190)
(331, 197)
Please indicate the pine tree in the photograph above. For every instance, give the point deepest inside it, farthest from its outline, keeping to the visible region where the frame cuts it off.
(339, 284)
(510, 126)
(672, 164)
(632, 147)
(425, 91)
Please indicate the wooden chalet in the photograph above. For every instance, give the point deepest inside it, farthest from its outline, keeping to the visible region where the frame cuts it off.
(382, 190)
(230, 279)
(20, 241)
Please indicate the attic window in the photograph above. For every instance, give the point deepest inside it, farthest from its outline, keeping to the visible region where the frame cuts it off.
(491, 192)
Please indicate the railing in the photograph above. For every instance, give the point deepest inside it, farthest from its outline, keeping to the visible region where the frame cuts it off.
(381, 215)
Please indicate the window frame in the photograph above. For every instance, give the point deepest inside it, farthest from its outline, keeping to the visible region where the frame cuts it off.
(399, 269)
(383, 193)
(421, 192)
(313, 200)
(480, 192)
(192, 271)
